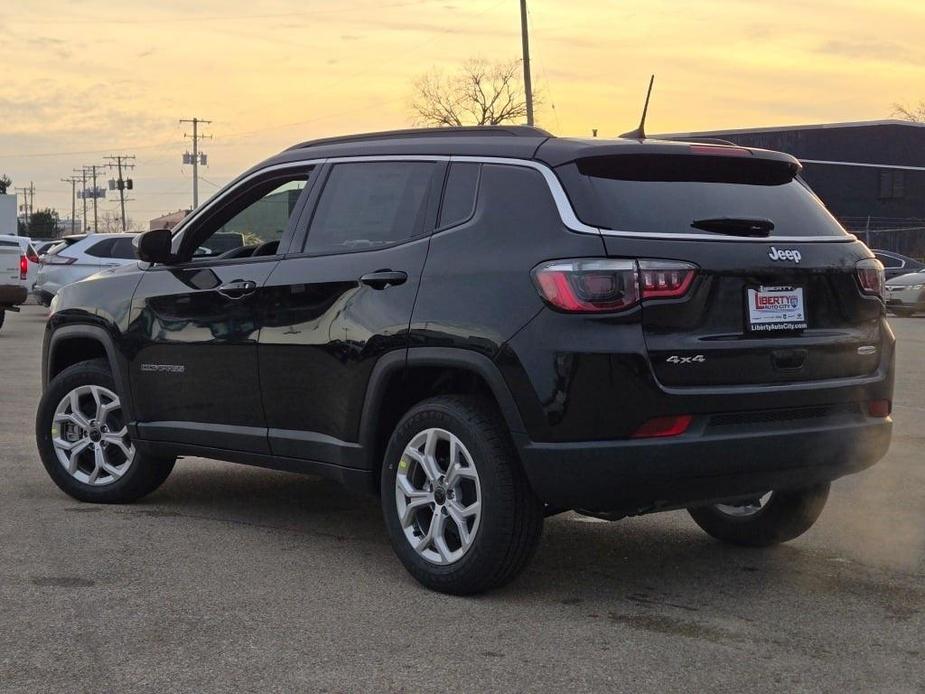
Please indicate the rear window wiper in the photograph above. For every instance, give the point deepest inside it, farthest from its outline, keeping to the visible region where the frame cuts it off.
(735, 226)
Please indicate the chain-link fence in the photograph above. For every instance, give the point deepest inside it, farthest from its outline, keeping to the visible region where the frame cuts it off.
(905, 236)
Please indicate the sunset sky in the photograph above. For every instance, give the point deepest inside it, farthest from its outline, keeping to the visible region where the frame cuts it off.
(88, 78)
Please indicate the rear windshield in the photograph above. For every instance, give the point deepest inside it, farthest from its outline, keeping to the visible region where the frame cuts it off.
(669, 193)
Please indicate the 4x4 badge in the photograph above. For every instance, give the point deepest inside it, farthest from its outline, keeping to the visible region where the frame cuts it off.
(784, 254)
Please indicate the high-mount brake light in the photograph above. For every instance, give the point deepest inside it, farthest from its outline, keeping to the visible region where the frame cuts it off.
(871, 277)
(720, 150)
(663, 279)
(23, 267)
(588, 286)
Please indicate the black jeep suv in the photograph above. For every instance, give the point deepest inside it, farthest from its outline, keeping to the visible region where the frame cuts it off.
(485, 326)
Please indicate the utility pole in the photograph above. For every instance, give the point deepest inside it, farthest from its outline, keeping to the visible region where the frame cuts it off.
(528, 86)
(196, 158)
(73, 181)
(96, 191)
(28, 203)
(120, 183)
(83, 196)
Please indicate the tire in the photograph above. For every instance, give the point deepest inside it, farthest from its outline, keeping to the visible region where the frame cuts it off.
(784, 516)
(139, 474)
(506, 530)
(2, 317)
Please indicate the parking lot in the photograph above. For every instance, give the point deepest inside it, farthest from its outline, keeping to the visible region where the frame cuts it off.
(233, 578)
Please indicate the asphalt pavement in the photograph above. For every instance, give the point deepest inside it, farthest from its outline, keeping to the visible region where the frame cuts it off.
(232, 578)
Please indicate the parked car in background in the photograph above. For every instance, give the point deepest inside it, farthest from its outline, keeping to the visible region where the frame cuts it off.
(905, 295)
(42, 247)
(27, 249)
(77, 257)
(895, 264)
(18, 264)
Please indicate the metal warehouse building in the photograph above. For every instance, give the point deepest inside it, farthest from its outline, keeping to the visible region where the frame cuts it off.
(870, 174)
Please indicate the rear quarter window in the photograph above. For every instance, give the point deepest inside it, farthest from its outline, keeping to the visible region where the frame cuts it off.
(459, 195)
(667, 193)
(101, 249)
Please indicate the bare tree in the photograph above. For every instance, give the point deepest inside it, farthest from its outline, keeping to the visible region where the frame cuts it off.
(479, 93)
(916, 113)
(110, 222)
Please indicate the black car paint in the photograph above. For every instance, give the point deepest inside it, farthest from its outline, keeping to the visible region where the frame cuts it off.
(292, 375)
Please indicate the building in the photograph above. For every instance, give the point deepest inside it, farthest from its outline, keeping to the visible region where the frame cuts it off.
(168, 221)
(870, 174)
(8, 209)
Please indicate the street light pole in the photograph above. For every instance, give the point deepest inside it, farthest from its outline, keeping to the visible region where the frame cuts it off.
(525, 38)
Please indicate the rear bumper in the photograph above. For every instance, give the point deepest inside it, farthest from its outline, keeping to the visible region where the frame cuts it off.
(708, 463)
(12, 295)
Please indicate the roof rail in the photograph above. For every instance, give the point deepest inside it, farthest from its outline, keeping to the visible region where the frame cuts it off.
(411, 133)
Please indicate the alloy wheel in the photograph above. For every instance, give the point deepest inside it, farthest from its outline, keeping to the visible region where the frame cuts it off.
(438, 496)
(89, 436)
(745, 509)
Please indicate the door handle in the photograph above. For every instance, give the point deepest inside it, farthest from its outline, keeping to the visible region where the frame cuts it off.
(237, 289)
(380, 279)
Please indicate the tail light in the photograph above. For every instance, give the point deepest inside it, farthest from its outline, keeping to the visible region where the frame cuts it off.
(598, 285)
(588, 286)
(31, 255)
(871, 277)
(23, 267)
(662, 279)
(879, 408)
(58, 260)
(660, 427)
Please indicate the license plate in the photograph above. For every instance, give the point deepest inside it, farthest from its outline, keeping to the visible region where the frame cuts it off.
(775, 308)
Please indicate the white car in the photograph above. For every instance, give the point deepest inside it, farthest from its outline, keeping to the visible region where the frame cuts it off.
(905, 295)
(77, 258)
(24, 246)
(18, 267)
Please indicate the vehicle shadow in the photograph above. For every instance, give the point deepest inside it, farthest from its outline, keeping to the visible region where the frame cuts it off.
(661, 563)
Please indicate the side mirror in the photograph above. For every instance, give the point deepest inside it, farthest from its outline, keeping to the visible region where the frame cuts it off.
(154, 246)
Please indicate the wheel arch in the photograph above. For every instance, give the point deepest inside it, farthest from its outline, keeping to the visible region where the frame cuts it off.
(407, 378)
(72, 344)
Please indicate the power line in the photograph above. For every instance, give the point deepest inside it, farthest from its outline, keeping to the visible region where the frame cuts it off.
(216, 18)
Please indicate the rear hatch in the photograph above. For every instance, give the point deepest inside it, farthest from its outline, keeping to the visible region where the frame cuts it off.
(776, 297)
(10, 264)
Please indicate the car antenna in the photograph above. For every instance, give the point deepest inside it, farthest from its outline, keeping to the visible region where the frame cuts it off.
(640, 132)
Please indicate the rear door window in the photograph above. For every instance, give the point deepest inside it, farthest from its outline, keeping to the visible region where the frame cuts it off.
(668, 193)
(368, 205)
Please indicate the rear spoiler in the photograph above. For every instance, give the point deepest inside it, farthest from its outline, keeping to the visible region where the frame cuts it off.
(558, 151)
